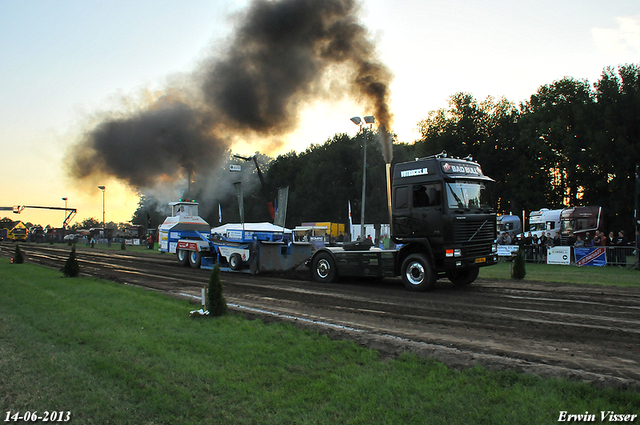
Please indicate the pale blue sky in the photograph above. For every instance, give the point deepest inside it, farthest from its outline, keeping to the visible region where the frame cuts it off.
(62, 62)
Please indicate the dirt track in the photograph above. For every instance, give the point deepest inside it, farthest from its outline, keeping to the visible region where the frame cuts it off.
(581, 332)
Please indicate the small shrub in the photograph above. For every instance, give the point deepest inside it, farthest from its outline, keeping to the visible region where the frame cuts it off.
(216, 303)
(18, 258)
(517, 269)
(71, 267)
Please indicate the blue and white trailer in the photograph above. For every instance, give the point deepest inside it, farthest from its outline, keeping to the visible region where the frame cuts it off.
(247, 247)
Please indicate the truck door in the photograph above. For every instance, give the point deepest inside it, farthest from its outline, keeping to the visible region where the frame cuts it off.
(426, 209)
(401, 212)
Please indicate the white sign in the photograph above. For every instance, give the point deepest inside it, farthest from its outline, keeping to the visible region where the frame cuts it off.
(559, 255)
(235, 167)
(415, 172)
(507, 250)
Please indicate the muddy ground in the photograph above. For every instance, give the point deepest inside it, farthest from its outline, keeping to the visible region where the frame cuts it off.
(581, 332)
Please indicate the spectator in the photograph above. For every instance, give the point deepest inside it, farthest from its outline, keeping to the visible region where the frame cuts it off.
(579, 243)
(535, 247)
(548, 243)
(504, 239)
(557, 241)
(597, 239)
(621, 242)
(588, 241)
(526, 244)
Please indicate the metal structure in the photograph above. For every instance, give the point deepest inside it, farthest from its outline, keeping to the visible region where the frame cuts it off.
(17, 209)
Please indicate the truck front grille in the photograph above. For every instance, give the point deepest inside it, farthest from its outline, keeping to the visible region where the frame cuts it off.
(477, 232)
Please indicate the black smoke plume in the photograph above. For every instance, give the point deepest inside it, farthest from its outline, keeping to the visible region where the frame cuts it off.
(282, 56)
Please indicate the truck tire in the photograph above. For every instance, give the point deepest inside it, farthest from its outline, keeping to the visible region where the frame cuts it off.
(323, 268)
(194, 259)
(235, 261)
(463, 277)
(417, 273)
(183, 257)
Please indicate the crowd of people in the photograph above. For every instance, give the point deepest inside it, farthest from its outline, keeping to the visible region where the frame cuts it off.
(535, 248)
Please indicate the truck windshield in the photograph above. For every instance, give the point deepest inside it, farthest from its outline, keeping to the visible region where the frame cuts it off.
(469, 195)
(534, 227)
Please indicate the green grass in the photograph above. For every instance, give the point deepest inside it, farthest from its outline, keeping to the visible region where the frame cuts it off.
(606, 276)
(113, 354)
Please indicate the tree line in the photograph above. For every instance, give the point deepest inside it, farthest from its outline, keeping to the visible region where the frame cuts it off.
(572, 143)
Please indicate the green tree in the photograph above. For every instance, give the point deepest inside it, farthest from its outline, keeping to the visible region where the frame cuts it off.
(71, 267)
(18, 258)
(90, 222)
(560, 115)
(615, 144)
(216, 302)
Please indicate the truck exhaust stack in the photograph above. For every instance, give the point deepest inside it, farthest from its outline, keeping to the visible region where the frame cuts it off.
(389, 199)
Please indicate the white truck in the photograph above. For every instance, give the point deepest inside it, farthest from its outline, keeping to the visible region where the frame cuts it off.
(543, 221)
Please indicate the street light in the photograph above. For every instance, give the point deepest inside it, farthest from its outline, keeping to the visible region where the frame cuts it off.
(104, 230)
(65, 211)
(369, 119)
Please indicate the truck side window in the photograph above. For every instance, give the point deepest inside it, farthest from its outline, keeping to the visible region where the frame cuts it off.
(427, 195)
(401, 200)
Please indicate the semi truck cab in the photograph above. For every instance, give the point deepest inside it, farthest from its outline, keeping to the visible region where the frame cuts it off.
(443, 217)
(442, 210)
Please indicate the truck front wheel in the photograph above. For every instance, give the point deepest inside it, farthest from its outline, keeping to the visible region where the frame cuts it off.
(323, 268)
(463, 277)
(417, 273)
(183, 257)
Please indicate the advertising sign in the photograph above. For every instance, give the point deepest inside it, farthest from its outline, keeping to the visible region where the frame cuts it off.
(591, 256)
(507, 250)
(559, 255)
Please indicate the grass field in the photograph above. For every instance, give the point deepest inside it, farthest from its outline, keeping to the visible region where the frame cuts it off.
(606, 276)
(113, 354)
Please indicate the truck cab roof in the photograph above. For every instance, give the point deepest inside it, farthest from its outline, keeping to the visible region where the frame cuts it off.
(444, 167)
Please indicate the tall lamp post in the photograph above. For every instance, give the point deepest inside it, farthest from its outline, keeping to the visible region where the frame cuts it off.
(369, 119)
(104, 230)
(65, 210)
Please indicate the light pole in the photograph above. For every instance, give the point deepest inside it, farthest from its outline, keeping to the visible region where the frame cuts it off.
(65, 211)
(104, 230)
(369, 119)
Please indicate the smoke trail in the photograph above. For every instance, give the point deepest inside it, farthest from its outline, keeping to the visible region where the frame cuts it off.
(282, 56)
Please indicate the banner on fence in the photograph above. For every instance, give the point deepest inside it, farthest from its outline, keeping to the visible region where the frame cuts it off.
(559, 255)
(591, 256)
(507, 250)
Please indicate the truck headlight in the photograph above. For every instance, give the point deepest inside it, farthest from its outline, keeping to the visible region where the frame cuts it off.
(494, 248)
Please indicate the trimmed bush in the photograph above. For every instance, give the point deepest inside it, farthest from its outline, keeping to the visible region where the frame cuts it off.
(216, 303)
(517, 269)
(18, 258)
(71, 267)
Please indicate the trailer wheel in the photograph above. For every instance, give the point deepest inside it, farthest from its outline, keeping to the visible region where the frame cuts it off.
(235, 261)
(194, 259)
(463, 277)
(323, 268)
(183, 257)
(417, 273)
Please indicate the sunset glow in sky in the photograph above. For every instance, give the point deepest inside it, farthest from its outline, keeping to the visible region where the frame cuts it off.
(66, 64)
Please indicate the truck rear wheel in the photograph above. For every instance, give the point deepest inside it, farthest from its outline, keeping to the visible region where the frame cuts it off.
(235, 261)
(194, 259)
(417, 273)
(183, 257)
(323, 268)
(463, 277)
